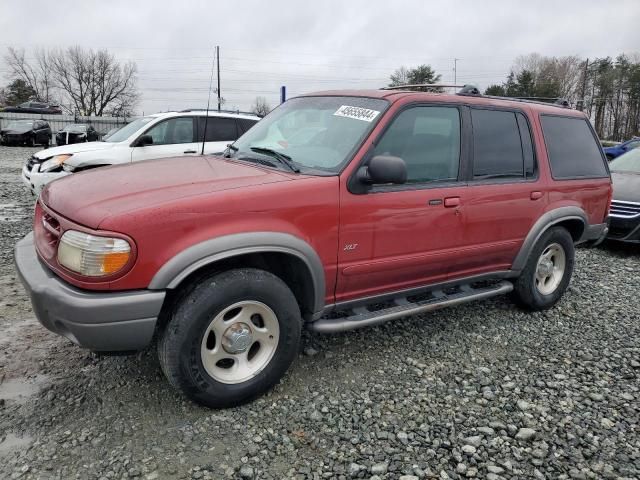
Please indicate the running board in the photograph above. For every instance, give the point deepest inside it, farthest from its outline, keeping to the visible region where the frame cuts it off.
(404, 306)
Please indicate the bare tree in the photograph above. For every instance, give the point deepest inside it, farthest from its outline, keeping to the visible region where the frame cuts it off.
(261, 107)
(400, 77)
(95, 82)
(36, 74)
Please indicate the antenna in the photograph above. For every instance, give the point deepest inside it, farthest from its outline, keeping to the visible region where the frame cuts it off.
(206, 118)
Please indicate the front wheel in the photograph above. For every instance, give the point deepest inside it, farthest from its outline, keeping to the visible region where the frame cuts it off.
(548, 271)
(231, 337)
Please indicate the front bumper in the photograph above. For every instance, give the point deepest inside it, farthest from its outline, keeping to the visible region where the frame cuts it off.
(100, 321)
(35, 181)
(624, 229)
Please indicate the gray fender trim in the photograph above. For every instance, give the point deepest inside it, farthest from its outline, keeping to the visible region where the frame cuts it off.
(546, 221)
(188, 261)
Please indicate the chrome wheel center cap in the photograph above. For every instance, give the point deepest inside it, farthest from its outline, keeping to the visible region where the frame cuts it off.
(545, 268)
(237, 338)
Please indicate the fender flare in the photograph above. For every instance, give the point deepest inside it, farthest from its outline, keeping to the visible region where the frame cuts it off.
(201, 254)
(546, 221)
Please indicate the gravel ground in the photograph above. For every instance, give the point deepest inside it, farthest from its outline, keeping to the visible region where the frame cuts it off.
(479, 391)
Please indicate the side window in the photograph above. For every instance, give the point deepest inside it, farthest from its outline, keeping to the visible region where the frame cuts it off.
(245, 124)
(428, 140)
(219, 129)
(173, 131)
(497, 147)
(573, 149)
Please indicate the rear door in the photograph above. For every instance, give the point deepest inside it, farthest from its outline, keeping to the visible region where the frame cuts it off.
(394, 237)
(220, 131)
(504, 197)
(174, 137)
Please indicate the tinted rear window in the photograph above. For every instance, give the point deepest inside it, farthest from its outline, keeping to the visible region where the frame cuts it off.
(573, 149)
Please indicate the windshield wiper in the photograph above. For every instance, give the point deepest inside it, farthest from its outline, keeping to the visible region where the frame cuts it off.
(281, 157)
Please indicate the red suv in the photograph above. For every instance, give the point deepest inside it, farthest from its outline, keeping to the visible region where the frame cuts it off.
(339, 210)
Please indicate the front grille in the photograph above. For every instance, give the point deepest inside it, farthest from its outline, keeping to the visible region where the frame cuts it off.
(622, 209)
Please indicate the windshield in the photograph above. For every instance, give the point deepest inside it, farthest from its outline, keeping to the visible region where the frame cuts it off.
(75, 128)
(20, 124)
(317, 135)
(128, 130)
(628, 162)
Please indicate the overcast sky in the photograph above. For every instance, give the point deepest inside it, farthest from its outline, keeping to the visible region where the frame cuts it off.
(315, 45)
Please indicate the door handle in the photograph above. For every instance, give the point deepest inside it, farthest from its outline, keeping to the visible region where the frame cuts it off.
(189, 151)
(451, 202)
(536, 195)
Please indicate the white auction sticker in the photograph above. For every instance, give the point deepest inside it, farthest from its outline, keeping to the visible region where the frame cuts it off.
(358, 113)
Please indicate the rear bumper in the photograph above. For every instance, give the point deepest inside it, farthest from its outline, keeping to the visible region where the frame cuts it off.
(101, 321)
(594, 234)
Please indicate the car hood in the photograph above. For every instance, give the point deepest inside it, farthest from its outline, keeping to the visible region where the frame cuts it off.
(626, 186)
(75, 148)
(88, 198)
(16, 131)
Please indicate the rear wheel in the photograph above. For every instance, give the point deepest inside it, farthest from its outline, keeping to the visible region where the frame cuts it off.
(231, 337)
(548, 270)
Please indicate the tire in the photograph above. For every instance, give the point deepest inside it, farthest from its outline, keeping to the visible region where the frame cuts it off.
(200, 328)
(609, 157)
(540, 288)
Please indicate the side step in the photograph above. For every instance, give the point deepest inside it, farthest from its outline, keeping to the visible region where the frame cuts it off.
(404, 306)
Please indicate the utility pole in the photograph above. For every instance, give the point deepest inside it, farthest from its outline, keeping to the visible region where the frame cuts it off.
(455, 71)
(584, 84)
(218, 63)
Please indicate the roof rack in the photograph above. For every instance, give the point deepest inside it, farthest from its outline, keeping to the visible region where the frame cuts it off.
(421, 85)
(473, 91)
(237, 112)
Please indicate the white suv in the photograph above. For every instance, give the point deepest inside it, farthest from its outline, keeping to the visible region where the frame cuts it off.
(162, 135)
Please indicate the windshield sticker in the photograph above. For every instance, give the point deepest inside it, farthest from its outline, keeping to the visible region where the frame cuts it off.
(358, 113)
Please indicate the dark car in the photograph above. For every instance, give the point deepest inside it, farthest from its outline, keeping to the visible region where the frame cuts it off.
(621, 148)
(26, 132)
(624, 215)
(35, 107)
(76, 133)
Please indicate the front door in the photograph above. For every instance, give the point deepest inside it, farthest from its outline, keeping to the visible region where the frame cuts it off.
(174, 137)
(395, 237)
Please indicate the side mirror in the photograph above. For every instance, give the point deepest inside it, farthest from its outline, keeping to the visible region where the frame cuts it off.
(385, 169)
(144, 140)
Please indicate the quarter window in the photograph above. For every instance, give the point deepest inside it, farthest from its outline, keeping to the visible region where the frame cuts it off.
(428, 140)
(573, 149)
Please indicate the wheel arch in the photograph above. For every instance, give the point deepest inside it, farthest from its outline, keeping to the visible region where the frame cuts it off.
(574, 219)
(289, 257)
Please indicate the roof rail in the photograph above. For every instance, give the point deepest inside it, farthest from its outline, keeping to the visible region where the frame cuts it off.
(237, 112)
(421, 85)
(470, 90)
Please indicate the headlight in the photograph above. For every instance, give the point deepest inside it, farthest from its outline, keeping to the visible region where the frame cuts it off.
(91, 255)
(54, 162)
